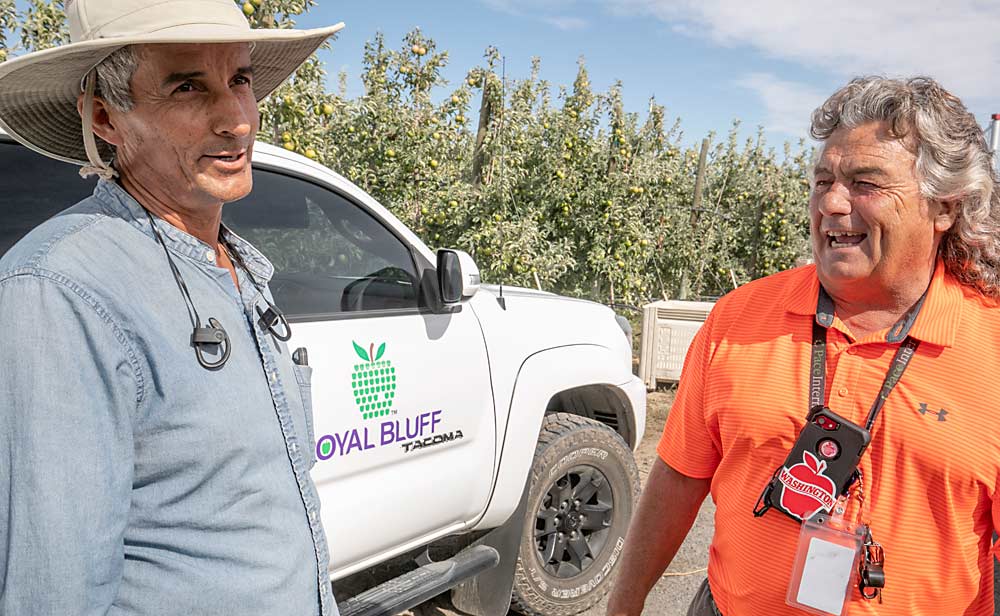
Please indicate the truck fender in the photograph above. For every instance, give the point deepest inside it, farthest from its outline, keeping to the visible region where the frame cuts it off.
(540, 377)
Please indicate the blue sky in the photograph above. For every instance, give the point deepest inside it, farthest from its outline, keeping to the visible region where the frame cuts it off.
(767, 63)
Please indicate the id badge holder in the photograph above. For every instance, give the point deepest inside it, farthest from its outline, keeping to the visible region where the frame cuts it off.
(826, 561)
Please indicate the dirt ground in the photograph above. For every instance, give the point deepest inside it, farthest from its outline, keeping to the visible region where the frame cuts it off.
(671, 595)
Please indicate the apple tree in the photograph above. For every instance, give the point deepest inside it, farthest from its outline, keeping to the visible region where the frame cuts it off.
(557, 187)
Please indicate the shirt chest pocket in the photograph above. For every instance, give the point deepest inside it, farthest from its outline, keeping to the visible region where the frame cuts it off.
(304, 412)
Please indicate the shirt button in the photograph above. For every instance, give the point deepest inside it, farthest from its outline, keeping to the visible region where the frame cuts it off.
(842, 392)
(312, 516)
(852, 351)
(210, 256)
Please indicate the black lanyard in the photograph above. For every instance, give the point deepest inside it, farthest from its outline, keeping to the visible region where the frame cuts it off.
(817, 365)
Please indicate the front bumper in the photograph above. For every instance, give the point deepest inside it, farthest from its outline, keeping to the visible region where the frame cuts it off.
(635, 390)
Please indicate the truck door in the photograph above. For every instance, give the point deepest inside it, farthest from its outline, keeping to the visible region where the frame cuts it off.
(404, 423)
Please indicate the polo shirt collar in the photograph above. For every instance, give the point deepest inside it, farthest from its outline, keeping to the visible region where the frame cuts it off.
(941, 315)
(936, 322)
(801, 296)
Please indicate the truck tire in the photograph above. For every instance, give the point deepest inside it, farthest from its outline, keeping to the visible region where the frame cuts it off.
(583, 487)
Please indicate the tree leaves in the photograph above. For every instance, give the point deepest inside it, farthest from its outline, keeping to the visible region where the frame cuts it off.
(44, 25)
(558, 187)
(8, 22)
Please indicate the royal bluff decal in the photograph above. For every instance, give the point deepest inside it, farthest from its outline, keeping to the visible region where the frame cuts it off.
(394, 431)
(373, 384)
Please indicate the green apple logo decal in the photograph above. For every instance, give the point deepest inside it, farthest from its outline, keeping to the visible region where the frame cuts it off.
(373, 382)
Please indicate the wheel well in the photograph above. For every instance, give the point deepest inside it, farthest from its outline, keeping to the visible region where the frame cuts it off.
(604, 403)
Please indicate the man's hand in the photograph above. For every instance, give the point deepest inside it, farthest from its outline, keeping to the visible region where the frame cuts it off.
(667, 509)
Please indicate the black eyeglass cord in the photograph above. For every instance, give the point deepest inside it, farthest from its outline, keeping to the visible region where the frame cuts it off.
(271, 318)
(214, 334)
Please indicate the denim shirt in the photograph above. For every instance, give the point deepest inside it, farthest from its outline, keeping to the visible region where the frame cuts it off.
(132, 480)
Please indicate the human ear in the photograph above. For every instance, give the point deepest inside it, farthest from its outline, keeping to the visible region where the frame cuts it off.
(947, 212)
(101, 120)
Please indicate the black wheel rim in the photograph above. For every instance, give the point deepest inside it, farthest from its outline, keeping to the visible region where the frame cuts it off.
(573, 521)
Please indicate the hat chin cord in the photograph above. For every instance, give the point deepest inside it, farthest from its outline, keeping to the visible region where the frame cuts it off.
(97, 166)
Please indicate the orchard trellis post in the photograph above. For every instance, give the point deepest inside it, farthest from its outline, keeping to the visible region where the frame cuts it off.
(699, 187)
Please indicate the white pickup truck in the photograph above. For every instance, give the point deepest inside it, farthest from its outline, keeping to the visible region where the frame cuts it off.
(468, 437)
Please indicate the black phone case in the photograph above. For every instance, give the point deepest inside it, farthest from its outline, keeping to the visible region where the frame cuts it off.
(799, 483)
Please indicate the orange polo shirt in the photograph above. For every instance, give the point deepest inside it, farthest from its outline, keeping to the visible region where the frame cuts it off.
(932, 470)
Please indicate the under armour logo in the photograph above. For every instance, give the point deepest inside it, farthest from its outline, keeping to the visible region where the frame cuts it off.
(923, 410)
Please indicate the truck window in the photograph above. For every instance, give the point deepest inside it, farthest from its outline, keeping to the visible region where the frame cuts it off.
(330, 255)
(33, 189)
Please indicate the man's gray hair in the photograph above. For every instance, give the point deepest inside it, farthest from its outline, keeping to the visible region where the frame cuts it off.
(953, 162)
(114, 78)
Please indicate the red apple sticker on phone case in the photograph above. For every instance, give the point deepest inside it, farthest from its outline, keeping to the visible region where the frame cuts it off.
(805, 490)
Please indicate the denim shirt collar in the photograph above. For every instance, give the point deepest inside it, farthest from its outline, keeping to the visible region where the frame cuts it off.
(121, 204)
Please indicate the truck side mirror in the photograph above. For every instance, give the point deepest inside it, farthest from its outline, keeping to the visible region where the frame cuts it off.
(458, 275)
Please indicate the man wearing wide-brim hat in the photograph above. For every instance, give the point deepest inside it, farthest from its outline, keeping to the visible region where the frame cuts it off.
(155, 437)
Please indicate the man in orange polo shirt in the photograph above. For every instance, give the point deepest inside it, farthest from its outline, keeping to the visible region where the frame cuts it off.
(905, 228)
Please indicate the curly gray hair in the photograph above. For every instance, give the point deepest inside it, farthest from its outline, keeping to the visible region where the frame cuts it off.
(953, 162)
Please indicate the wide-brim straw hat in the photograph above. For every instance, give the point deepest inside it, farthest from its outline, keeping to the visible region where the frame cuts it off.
(39, 90)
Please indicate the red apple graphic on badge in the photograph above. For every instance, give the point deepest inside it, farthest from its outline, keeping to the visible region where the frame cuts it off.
(805, 490)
